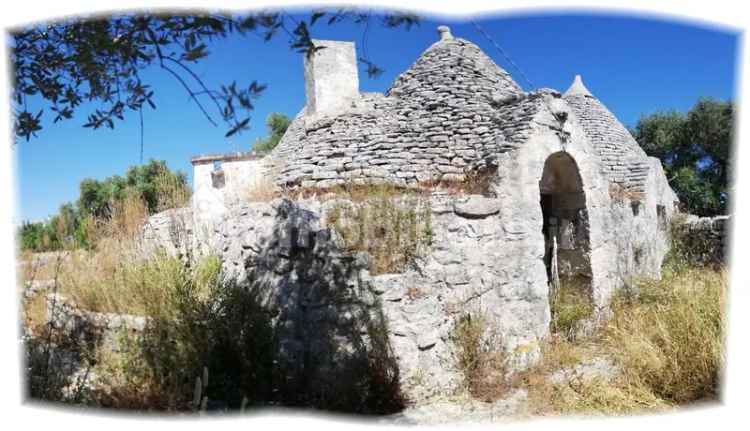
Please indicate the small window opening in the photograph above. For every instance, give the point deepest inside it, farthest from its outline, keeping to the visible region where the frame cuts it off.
(636, 207)
(217, 175)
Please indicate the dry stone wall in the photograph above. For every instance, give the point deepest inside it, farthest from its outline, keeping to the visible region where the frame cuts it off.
(703, 240)
(328, 306)
(105, 330)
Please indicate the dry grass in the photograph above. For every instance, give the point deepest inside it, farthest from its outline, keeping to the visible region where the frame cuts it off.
(671, 338)
(116, 280)
(171, 192)
(667, 342)
(478, 182)
(115, 276)
(580, 396)
(262, 189)
(392, 228)
(35, 314)
(473, 183)
(619, 193)
(354, 192)
(571, 305)
(480, 358)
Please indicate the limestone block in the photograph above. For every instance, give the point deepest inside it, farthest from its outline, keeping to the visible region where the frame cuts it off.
(475, 206)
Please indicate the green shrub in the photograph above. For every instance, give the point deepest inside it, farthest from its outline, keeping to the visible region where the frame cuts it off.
(195, 321)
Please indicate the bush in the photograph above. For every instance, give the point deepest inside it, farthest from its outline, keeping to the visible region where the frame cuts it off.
(194, 322)
(76, 225)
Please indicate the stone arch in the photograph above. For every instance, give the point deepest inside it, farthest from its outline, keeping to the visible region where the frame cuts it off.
(565, 222)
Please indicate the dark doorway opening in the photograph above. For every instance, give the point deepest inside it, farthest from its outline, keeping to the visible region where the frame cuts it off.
(566, 234)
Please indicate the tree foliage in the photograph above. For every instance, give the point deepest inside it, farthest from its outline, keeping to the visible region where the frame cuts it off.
(694, 149)
(154, 183)
(277, 123)
(101, 60)
(148, 181)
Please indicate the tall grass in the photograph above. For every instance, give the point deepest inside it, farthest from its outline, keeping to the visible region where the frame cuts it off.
(155, 369)
(571, 305)
(671, 338)
(261, 189)
(667, 342)
(171, 191)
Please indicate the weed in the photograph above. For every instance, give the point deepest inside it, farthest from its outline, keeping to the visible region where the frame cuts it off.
(393, 229)
(570, 306)
(618, 193)
(481, 360)
(667, 342)
(262, 189)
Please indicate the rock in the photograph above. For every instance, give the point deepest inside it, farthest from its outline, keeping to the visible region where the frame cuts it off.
(427, 340)
(599, 368)
(476, 206)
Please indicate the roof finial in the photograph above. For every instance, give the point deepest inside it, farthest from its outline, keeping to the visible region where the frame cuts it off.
(577, 88)
(445, 32)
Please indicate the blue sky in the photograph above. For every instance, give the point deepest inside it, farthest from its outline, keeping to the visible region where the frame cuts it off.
(633, 65)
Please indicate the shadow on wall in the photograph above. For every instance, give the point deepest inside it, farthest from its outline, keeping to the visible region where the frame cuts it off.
(331, 340)
(304, 330)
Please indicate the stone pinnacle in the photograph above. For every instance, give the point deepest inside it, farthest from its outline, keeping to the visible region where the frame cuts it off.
(577, 88)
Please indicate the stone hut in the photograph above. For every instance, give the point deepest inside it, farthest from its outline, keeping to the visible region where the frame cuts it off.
(570, 195)
(563, 168)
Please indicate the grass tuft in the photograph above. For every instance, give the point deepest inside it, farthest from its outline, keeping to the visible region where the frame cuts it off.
(671, 338)
(480, 358)
(570, 306)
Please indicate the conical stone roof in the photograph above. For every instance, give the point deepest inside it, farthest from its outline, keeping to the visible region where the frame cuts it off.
(624, 162)
(454, 68)
(451, 113)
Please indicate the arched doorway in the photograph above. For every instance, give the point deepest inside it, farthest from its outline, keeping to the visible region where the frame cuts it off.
(566, 231)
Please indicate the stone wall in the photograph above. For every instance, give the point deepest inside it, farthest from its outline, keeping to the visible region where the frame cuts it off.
(328, 306)
(485, 258)
(85, 327)
(703, 240)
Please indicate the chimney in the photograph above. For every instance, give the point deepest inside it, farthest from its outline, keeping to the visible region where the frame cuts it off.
(331, 81)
